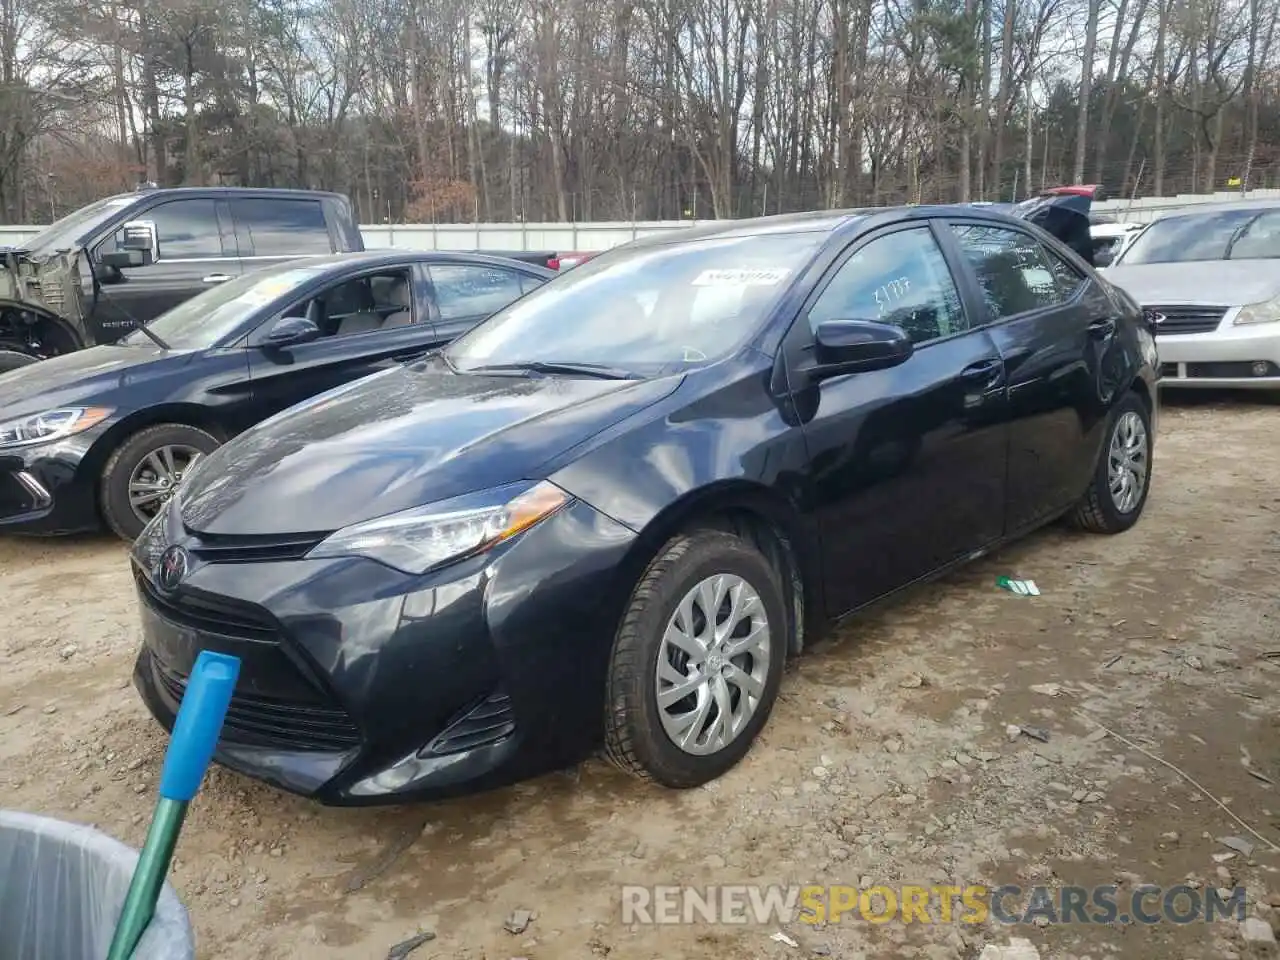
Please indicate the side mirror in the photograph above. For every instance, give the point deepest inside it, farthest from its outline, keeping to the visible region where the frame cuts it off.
(120, 259)
(140, 235)
(290, 331)
(859, 346)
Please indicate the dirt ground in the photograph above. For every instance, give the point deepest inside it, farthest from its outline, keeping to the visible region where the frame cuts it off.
(887, 759)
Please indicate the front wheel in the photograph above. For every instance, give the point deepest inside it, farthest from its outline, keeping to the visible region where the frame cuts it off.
(144, 471)
(697, 661)
(1118, 492)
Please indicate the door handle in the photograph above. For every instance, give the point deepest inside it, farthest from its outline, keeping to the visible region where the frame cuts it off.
(217, 278)
(988, 370)
(1101, 329)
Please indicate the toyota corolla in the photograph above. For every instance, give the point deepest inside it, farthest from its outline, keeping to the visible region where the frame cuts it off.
(610, 513)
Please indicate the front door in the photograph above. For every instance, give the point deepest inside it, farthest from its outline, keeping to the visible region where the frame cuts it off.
(369, 322)
(196, 251)
(907, 465)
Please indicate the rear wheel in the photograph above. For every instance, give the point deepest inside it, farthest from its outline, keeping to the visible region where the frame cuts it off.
(697, 661)
(1118, 492)
(143, 472)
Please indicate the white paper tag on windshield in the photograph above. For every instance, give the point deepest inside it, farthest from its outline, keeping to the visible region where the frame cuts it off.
(741, 277)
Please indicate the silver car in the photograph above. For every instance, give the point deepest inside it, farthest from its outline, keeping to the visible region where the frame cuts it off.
(1212, 274)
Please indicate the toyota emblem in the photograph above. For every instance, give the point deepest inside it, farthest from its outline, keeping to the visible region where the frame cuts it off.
(172, 568)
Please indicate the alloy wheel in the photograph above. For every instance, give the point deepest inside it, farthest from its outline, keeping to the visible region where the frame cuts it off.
(157, 475)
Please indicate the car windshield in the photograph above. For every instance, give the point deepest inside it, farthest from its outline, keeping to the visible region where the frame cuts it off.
(209, 317)
(65, 233)
(645, 309)
(1192, 237)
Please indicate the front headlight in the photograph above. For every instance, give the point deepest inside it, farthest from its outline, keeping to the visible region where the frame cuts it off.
(49, 425)
(1268, 311)
(418, 539)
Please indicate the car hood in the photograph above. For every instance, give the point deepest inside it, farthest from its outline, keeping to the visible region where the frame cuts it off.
(85, 376)
(1217, 282)
(399, 439)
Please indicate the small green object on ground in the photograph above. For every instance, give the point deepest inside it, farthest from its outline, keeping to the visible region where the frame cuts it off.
(1024, 588)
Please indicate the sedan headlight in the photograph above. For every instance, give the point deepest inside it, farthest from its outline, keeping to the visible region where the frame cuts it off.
(1268, 311)
(49, 425)
(421, 538)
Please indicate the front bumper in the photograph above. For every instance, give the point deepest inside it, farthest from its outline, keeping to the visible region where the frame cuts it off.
(1228, 356)
(49, 488)
(363, 685)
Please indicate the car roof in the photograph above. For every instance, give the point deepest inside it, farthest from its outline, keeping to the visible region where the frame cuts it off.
(229, 192)
(815, 221)
(389, 257)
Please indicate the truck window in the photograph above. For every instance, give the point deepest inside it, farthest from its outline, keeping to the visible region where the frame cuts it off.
(283, 228)
(185, 230)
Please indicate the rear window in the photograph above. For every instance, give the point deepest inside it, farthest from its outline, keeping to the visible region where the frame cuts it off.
(283, 227)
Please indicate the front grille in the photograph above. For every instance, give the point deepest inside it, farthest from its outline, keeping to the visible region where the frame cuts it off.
(208, 613)
(220, 548)
(1233, 370)
(1184, 319)
(270, 722)
(489, 721)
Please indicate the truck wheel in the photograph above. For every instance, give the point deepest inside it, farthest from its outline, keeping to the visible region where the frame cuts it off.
(12, 360)
(697, 661)
(143, 472)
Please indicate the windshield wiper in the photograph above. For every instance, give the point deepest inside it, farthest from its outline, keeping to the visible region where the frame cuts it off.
(153, 337)
(598, 370)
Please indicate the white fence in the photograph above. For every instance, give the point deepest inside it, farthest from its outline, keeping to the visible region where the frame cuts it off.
(566, 237)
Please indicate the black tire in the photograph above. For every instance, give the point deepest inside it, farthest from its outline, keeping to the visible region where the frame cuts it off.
(12, 360)
(635, 739)
(117, 510)
(1097, 511)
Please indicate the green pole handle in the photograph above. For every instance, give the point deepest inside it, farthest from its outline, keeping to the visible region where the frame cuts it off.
(195, 734)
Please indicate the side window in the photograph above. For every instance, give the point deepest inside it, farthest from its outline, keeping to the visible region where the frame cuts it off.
(186, 229)
(378, 301)
(282, 228)
(1069, 281)
(901, 279)
(1014, 271)
(529, 284)
(463, 290)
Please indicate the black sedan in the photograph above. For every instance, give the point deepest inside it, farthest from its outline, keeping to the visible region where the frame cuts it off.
(105, 434)
(610, 512)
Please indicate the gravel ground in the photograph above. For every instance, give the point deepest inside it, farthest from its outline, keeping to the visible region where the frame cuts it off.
(888, 759)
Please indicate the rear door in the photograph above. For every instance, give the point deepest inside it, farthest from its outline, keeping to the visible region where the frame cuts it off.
(274, 229)
(197, 249)
(370, 320)
(463, 294)
(1054, 327)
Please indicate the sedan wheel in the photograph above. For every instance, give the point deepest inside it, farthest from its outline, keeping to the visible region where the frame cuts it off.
(145, 471)
(697, 661)
(1127, 462)
(1118, 491)
(713, 664)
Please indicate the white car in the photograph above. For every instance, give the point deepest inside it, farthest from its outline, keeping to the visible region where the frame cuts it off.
(1111, 239)
(1212, 274)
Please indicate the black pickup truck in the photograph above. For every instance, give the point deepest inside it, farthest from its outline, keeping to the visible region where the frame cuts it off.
(110, 267)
